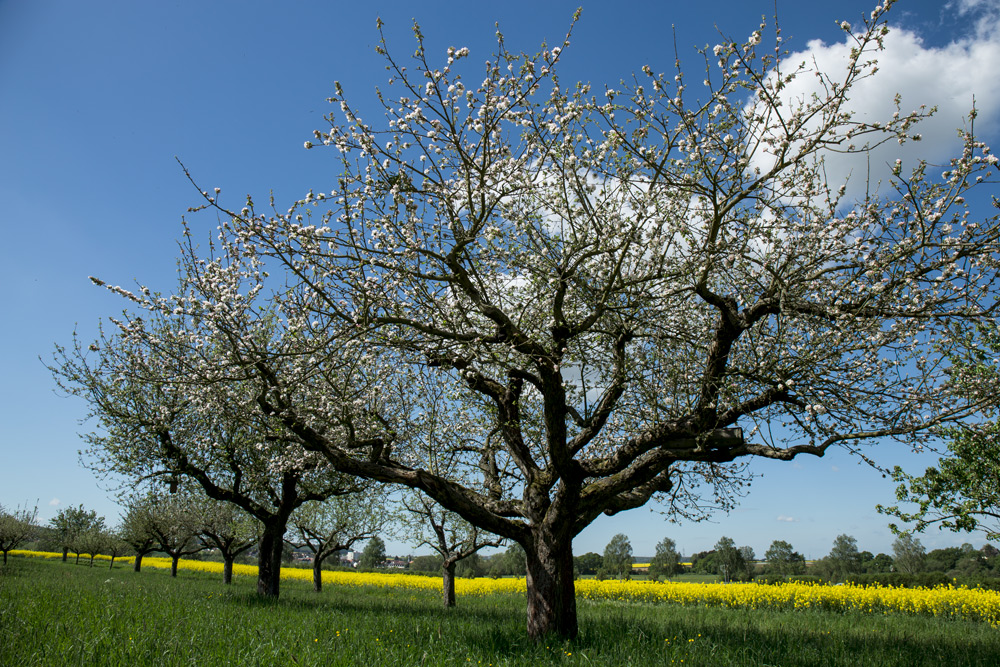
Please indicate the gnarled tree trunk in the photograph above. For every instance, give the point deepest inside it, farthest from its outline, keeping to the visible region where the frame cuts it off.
(317, 573)
(551, 591)
(269, 560)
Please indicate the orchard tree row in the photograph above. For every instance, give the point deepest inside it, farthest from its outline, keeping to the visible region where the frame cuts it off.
(185, 524)
(188, 522)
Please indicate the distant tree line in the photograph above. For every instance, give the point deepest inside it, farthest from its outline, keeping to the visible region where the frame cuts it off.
(909, 564)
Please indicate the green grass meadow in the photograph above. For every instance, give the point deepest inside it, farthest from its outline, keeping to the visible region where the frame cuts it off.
(54, 613)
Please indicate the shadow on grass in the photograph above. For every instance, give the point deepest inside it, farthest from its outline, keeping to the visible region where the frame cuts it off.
(496, 626)
(746, 637)
(610, 633)
(372, 600)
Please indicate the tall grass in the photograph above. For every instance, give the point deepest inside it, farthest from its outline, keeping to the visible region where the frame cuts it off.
(54, 613)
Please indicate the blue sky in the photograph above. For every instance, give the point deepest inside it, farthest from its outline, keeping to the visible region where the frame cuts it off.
(98, 98)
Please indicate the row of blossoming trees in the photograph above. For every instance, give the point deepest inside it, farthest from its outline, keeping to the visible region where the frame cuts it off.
(535, 303)
(187, 523)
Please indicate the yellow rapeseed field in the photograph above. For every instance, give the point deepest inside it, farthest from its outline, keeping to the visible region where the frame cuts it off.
(943, 601)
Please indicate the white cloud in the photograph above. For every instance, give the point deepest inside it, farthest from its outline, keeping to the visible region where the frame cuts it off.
(55, 502)
(965, 6)
(950, 77)
(988, 12)
(789, 519)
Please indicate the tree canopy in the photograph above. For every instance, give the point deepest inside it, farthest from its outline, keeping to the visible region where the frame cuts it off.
(16, 527)
(612, 295)
(71, 523)
(961, 492)
(162, 421)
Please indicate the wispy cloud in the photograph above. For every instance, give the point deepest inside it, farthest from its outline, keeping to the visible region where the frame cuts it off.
(54, 502)
(788, 519)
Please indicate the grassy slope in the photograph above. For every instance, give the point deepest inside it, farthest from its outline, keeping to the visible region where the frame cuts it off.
(54, 613)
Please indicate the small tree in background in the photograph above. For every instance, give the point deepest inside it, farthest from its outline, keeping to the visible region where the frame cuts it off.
(880, 563)
(448, 534)
(70, 523)
(509, 563)
(666, 562)
(748, 556)
(92, 541)
(783, 560)
(374, 554)
(705, 562)
(336, 524)
(729, 560)
(175, 525)
(136, 528)
(16, 528)
(114, 545)
(844, 559)
(471, 567)
(224, 526)
(431, 563)
(908, 554)
(617, 558)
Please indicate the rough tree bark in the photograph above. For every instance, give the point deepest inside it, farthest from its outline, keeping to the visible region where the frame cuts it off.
(448, 587)
(551, 591)
(269, 559)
